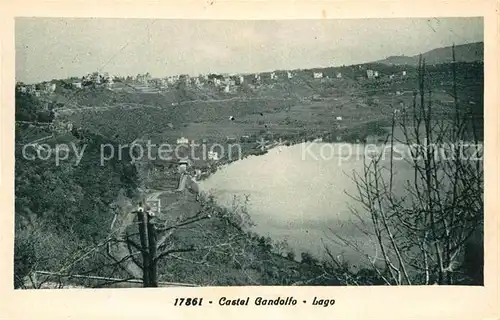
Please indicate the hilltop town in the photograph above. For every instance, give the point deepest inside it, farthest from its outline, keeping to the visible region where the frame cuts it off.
(226, 83)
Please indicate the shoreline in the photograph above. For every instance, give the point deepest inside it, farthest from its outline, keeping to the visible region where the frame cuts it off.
(289, 142)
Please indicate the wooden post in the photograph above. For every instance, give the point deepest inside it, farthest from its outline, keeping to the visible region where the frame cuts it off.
(34, 280)
(152, 252)
(144, 249)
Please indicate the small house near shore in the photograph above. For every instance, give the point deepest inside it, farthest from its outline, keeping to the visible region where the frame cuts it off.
(212, 155)
(317, 75)
(182, 140)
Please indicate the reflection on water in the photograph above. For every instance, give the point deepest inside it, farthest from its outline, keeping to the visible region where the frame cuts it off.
(300, 193)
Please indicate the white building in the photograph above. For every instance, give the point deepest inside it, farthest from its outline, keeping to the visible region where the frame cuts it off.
(184, 163)
(317, 75)
(289, 75)
(212, 155)
(49, 87)
(338, 75)
(339, 118)
(96, 77)
(403, 73)
(370, 74)
(170, 80)
(77, 85)
(375, 74)
(162, 82)
(182, 140)
(196, 82)
(109, 81)
(274, 76)
(227, 88)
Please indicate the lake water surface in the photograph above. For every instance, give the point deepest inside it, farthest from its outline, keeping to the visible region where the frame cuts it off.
(299, 193)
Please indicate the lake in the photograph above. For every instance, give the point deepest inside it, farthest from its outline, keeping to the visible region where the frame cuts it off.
(300, 193)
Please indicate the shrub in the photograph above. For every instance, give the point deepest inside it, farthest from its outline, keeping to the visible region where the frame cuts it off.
(308, 259)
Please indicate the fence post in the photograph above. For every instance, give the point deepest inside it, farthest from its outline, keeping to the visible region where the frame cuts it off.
(144, 248)
(152, 252)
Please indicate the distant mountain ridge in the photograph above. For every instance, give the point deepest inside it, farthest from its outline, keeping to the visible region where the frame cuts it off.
(469, 52)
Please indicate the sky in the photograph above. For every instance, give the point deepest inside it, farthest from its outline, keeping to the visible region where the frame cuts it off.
(58, 48)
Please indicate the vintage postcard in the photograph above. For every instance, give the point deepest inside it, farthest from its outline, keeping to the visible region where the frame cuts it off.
(303, 159)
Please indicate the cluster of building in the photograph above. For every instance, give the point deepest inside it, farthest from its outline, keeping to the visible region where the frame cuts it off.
(374, 74)
(321, 75)
(94, 79)
(37, 90)
(361, 73)
(223, 82)
(228, 82)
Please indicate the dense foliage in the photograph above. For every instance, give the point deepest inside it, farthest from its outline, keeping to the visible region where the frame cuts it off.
(29, 108)
(60, 208)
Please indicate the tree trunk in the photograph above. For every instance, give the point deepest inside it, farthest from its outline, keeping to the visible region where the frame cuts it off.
(144, 250)
(152, 253)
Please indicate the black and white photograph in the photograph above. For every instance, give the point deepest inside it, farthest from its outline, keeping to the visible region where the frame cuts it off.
(202, 153)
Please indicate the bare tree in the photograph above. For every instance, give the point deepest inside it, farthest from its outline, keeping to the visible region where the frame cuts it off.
(150, 238)
(422, 224)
